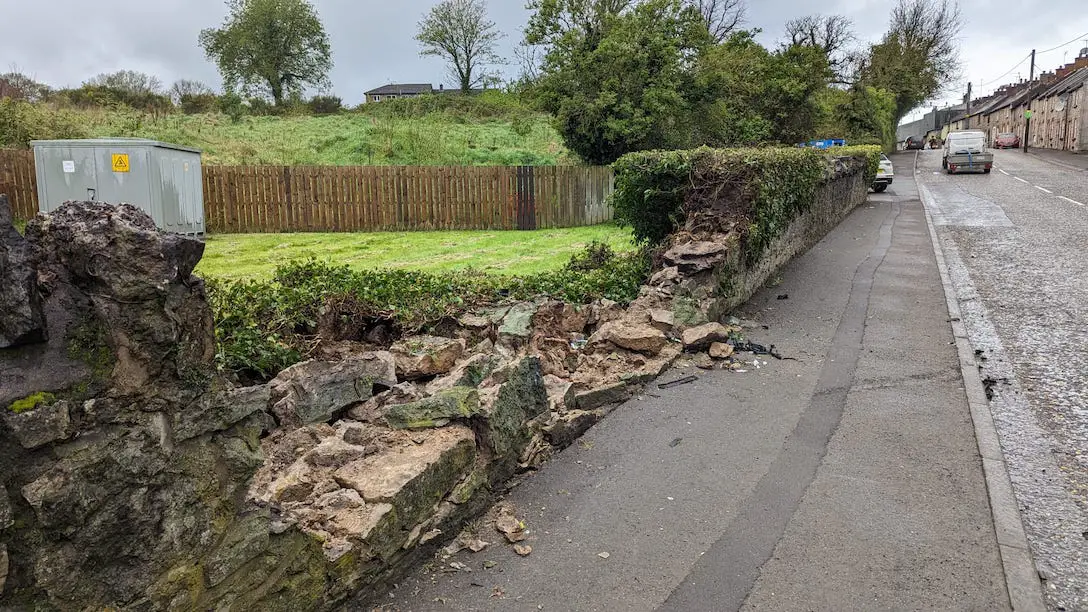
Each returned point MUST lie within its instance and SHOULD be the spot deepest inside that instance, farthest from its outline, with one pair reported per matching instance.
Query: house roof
(401, 89)
(1068, 84)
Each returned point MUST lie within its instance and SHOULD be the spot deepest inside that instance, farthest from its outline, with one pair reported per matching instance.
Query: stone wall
(134, 476)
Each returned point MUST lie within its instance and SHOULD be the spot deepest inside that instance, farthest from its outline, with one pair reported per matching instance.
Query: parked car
(965, 150)
(915, 142)
(884, 175)
(1007, 140)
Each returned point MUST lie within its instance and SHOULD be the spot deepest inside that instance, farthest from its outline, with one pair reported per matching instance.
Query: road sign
(120, 162)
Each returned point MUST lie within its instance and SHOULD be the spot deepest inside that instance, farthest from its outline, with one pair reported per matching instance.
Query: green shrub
(231, 105)
(21, 122)
(263, 327)
(192, 104)
(761, 189)
(325, 105)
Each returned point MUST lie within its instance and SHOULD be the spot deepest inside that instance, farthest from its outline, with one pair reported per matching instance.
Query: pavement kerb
(1021, 578)
(1051, 160)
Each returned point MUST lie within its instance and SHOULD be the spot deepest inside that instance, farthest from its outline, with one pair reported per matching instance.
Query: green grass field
(348, 138)
(234, 256)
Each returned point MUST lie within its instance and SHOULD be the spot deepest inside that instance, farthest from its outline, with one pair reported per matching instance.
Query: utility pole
(1027, 113)
(967, 121)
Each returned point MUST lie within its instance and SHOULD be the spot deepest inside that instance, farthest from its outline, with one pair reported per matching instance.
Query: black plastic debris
(676, 383)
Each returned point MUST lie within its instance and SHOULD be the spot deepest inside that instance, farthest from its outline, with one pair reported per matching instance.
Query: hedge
(763, 189)
(262, 327)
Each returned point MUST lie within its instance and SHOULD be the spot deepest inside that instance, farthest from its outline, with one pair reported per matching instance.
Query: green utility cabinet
(163, 180)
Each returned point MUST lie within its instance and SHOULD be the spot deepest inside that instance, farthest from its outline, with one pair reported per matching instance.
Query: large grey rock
(313, 391)
(701, 337)
(121, 307)
(426, 356)
(48, 422)
(666, 276)
(246, 539)
(219, 411)
(637, 337)
(436, 410)
(414, 477)
(522, 398)
(692, 257)
(602, 396)
(569, 427)
(517, 325)
(21, 318)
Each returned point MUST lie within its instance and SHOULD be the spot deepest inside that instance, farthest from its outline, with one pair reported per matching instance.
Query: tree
(460, 32)
(722, 17)
(186, 88)
(751, 95)
(832, 35)
(558, 23)
(919, 54)
(127, 81)
(618, 79)
(270, 47)
(18, 86)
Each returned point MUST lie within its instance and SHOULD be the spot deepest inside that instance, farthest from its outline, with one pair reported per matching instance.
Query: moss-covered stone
(467, 490)
(435, 411)
(686, 312)
(31, 402)
(521, 399)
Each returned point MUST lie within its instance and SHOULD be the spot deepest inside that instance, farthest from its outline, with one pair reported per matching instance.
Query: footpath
(1067, 159)
(846, 478)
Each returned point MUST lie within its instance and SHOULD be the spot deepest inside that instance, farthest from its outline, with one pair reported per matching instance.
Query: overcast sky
(63, 42)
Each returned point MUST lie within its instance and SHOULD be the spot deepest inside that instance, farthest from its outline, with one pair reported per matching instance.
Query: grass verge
(240, 256)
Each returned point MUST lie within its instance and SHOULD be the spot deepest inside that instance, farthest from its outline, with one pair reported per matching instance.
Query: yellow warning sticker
(120, 162)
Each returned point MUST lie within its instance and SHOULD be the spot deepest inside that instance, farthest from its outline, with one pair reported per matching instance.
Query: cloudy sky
(63, 42)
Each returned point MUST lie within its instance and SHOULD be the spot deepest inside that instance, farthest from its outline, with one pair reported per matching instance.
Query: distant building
(410, 90)
(397, 90)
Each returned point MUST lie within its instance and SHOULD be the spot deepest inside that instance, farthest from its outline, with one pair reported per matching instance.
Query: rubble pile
(136, 477)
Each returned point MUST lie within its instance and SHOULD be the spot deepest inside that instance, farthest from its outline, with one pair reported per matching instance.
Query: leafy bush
(485, 106)
(21, 122)
(263, 327)
(231, 105)
(259, 107)
(105, 96)
(763, 188)
(325, 105)
(192, 104)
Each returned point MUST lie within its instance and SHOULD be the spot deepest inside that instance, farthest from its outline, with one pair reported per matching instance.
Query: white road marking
(1043, 189)
(1019, 179)
(1003, 172)
(1070, 200)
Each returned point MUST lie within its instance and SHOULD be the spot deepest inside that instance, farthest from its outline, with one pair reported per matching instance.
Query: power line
(1007, 73)
(1078, 38)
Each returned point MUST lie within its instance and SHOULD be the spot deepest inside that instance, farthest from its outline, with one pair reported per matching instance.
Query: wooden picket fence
(241, 199)
(18, 182)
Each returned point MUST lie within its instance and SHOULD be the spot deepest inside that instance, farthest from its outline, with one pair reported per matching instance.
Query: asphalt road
(1015, 244)
(847, 479)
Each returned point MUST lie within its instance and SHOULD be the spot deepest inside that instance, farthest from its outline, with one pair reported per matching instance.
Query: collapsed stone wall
(134, 476)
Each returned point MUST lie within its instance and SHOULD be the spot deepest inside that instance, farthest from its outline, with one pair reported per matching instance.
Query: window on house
(391, 97)
(377, 98)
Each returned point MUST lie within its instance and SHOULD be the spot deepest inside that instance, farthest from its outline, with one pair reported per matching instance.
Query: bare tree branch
(722, 17)
(832, 35)
(460, 32)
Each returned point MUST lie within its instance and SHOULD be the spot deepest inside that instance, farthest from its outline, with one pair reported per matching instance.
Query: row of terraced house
(1058, 102)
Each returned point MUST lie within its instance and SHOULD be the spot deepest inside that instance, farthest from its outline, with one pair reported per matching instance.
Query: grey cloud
(63, 42)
